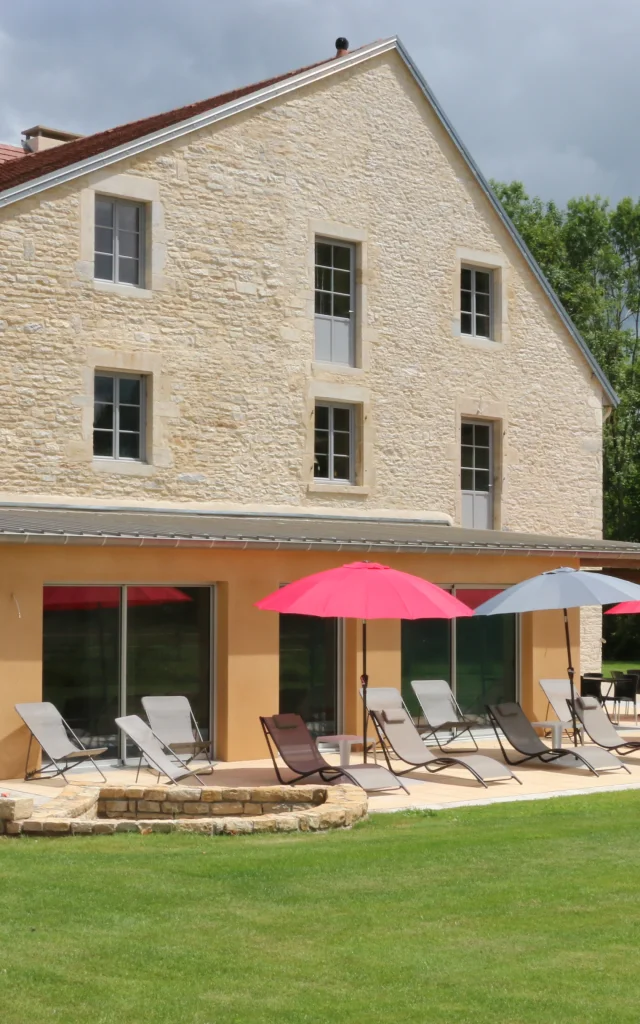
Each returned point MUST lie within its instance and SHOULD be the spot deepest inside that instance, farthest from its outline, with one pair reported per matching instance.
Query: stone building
(255, 337)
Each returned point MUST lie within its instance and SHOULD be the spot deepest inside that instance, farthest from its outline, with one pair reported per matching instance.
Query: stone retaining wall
(88, 810)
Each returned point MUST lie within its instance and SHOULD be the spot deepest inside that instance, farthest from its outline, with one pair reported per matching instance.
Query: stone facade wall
(225, 328)
(88, 810)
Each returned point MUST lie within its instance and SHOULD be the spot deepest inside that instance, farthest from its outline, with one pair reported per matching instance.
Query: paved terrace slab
(454, 787)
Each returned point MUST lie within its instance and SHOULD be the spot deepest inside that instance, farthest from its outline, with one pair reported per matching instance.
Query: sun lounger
(292, 740)
(173, 722)
(57, 740)
(600, 729)
(509, 720)
(397, 733)
(442, 713)
(558, 694)
(156, 753)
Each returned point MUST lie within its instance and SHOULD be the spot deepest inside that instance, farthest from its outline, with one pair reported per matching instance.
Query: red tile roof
(33, 165)
(8, 152)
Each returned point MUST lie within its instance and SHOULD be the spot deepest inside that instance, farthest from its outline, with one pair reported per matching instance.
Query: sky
(545, 92)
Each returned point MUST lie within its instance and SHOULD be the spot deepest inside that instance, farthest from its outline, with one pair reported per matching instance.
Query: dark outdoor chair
(57, 740)
(174, 723)
(290, 737)
(600, 729)
(397, 733)
(591, 685)
(442, 713)
(156, 753)
(510, 720)
(625, 691)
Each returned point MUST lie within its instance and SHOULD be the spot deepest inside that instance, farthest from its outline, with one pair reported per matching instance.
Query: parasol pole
(571, 672)
(364, 679)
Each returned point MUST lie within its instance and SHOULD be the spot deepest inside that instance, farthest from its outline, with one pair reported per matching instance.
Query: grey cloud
(544, 92)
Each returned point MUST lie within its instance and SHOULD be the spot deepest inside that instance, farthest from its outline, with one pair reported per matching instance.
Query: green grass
(512, 913)
(618, 666)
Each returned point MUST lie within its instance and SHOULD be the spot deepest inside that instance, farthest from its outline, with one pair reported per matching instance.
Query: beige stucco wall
(225, 327)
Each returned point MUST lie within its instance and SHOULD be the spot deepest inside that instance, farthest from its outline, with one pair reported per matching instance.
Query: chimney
(38, 138)
(342, 46)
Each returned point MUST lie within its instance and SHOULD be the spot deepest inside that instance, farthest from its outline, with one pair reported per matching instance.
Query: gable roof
(39, 171)
(9, 152)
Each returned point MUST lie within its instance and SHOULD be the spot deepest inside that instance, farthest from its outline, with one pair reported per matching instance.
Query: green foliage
(516, 913)
(590, 253)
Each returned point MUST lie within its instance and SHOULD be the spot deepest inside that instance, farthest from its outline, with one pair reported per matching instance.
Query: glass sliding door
(426, 654)
(104, 648)
(81, 660)
(486, 652)
(309, 671)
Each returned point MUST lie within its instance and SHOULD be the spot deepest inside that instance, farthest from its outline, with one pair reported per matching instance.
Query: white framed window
(119, 401)
(477, 469)
(476, 302)
(335, 311)
(119, 241)
(334, 442)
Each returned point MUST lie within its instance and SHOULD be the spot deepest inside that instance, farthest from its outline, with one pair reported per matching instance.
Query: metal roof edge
(509, 225)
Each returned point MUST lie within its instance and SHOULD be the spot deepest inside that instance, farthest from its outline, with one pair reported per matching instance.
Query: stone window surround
(159, 409)
(338, 232)
(498, 264)
(347, 394)
(496, 414)
(136, 189)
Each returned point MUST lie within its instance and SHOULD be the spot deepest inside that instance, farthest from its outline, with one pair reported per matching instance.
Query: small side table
(557, 728)
(344, 742)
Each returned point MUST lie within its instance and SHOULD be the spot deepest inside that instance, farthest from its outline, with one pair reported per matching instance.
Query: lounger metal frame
(70, 760)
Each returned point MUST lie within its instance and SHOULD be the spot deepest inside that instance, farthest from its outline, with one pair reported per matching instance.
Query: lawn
(521, 913)
(618, 666)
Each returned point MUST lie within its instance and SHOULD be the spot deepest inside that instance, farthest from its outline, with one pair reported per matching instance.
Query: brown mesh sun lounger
(600, 729)
(510, 720)
(173, 722)
(397, 733)
(57, 739)
(155, 753)
(290, 737)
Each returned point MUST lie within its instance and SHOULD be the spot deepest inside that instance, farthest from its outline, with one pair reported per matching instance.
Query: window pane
(467, 433)
(128, 270)
(341, 304)
(103, 388)
(342, 257)
(485, 660)
(342, 281)
(103, 443)
(129, 446)
(128, 244)
(482, 480)
(341, 443)
(482, 458)
(482, 327)
(465, 278)
(465, 323)
(322, 416)
(341, 419)
(104, 213)
(323, 254)
(323, 278)
(426, 654)
(482, 434)
(341, 468)
(103, 267)
(467, 456)
(130, 417)
(128, 217)
(482, 304)
(129, 391)
(104, 240)
(483, 281)
(103, 416)
(323, 303)
(465, 302)
(321, 467)
(467, 479)
(322, 442)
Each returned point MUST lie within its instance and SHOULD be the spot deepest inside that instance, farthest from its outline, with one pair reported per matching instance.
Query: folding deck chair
(57, 740)
(510, 720)
(174, 723)
(600, 729)
(442, 713)
(397, 733)
(292, 740)
(154, 752)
